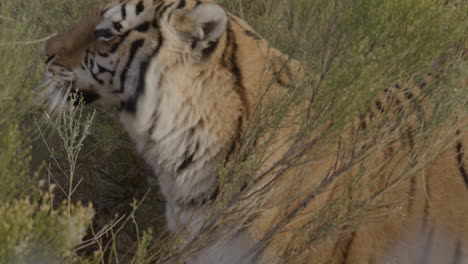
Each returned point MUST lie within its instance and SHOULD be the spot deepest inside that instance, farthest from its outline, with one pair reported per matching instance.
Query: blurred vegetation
(98, 205)
(56, 174)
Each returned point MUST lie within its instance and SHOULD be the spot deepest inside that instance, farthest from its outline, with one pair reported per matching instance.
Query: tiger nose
(74, 39)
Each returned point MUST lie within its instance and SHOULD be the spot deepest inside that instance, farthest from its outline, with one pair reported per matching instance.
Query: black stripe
(139, 8)
(240, 89)
(194, 43)
(461, 166)
(129, 105)
(86, 59)
(49, 59)
(103, 54)
(426, 204)
(202, 200)
(189, 157)
(348, 248)
(215, 194)
(158, 7)
(234, 67)
(161, 12)
(168, 17)
(236, 139)
(212, 45)
(90, 65)
(141, 79)
(91, 62)
(102, 69)
(243, 187)
(143, 27)
(229, 61)
(155, 114)
(117, 26)
(187, 161)
(88, 97)
(154, 120)
(411, 193)
(281, 82)
(123, 12)
(181, 4)
(155, 22)
(137, 44)
(252, 34)
(117, 45)
(95, 77)
(457, 255)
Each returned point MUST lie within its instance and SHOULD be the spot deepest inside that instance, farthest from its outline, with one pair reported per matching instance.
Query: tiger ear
(206, 22)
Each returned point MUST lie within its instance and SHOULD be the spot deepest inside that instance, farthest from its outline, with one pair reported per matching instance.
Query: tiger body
(187, 77)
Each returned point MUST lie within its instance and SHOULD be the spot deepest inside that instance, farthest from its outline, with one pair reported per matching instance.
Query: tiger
(188, 78)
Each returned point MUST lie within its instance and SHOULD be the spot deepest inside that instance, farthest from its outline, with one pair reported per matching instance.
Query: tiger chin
(187, 77)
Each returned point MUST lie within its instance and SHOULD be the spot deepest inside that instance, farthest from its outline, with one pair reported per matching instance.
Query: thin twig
(7, 18)
(30, 42)
(104, 230)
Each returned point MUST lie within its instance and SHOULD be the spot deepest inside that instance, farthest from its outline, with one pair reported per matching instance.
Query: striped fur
(187, 77)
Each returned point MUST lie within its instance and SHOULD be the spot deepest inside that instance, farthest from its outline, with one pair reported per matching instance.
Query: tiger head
(105, 58)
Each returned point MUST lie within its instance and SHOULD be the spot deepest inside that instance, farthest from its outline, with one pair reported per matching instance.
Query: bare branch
(7, 18)
(29, 42)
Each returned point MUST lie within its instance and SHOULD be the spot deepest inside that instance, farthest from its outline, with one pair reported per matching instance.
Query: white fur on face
(56, 87)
